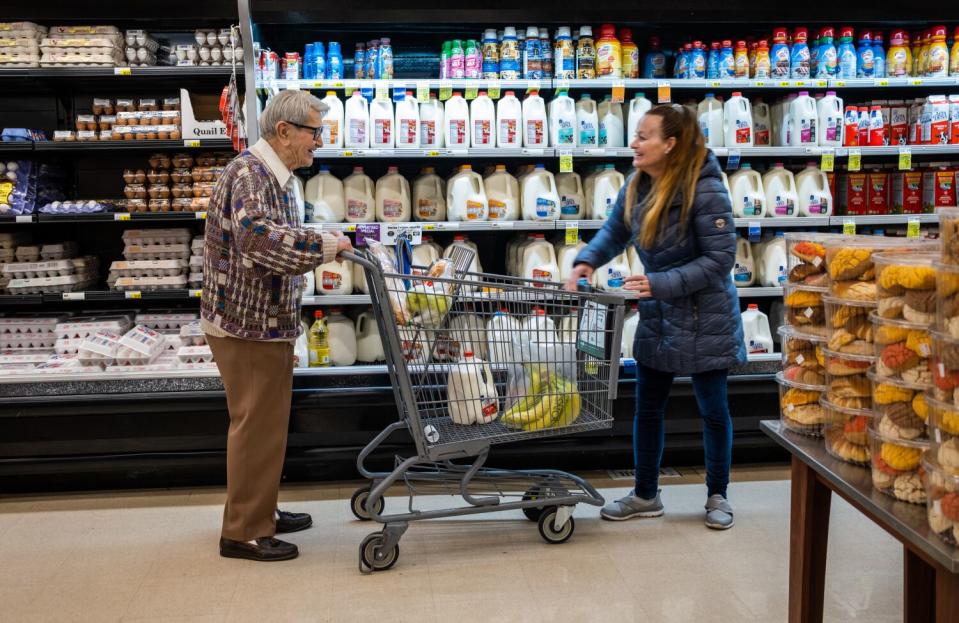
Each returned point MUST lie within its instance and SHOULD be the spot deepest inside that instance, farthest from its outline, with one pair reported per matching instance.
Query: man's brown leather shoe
(266, 549)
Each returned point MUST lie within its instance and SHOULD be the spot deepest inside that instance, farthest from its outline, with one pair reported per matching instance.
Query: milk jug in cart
(499, 335)
(471, 392)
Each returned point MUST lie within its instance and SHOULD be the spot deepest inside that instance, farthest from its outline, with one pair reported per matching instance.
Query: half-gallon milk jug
(711, 121)
(301, 349)
(539, 260)
(460, 240)
(358, 191)
(342, 338)
(324, 198)
(429, 196)
(357, 122)
(830, 111)
(393, 204)
(369, 345)
(432, 126)
(744, 271)
(636, 266)
(483, 117)
(359, 280)
(738, 122)
(587, 122)
(746, 193)
(334, 278)
(756, 331)
(333, 121)
(535, 123)
(381, 124)
(509, 122)
(471, 392)
(466, 197)
(565, 255)
(762, 123)
(566, 330)
(804, 117)
(772, 262)
(638, 107)
(606, 187)
(612, 276)
(457, 121)
(540, 197)
(630, 324)
(572, 202)
(500, 331)
(539, 328)
(562, 121)
(502, 193)
(407, 122)
(612, 127)
(781, 195)
(815, 198)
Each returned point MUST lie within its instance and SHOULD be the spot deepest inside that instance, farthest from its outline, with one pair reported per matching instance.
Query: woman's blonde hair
(683, 165)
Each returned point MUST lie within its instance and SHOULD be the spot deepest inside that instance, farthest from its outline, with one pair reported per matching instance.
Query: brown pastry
(861, 327)
(800, 272)
(803, 375)
(840, 338)
(849, 403)
(851, 387)
(808, 414)
(857, 347)
(914, 315)
(950, 306)
(800, 316)
(805, 358)
(903, 416)
(922, 300)
(948, 354)
(850, 263)
(898, 357)
(838, 366)
(820, 280)
(845, 313)
(891, 307)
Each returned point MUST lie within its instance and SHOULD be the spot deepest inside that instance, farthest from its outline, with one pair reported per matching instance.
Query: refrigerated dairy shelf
(155, 145)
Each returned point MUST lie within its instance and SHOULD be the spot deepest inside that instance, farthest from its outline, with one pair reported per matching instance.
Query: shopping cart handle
(356, 258)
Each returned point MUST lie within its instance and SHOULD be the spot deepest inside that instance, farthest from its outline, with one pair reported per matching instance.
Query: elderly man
(255, 256)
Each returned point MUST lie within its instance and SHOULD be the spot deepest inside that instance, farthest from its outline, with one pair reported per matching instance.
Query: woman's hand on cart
(343, 243)
(580, 271)
(640, 285)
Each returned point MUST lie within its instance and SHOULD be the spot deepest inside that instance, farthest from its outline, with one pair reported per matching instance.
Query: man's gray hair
(291, 105)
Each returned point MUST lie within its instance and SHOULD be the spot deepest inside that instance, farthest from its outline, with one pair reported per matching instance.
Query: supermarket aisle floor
(152, 557)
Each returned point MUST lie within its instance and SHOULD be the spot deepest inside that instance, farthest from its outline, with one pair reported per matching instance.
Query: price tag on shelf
(572, 232)
(501, 224)
(121, 216)
(346, 153)
(732, 162)
(799, 83)
(195, 294)
(760, 83)
(594, 152)
(755, 231)
(316, 84)
(855, 160)
(533, 151)
(912, 228)
(619, 92)
(340, 84)
(24, 218)
(472, 93)
(348, 91)
(382, 92)
(429, 226)
(191, 143)
(905, 158)
(881, 82)
(494, 90)
(822, 84)
(423, 92)
(664, 92)
(200, 216)
(849, 226)
(715, 83)
(840, 83)
(785, 84)
(74, 296)
(565, 161)
(561, 85)
(133, 294)
(916, 82)
(367, 231)
(828, 161)
(122, 71)
(391, 232)
(446, 91)
(432, 153)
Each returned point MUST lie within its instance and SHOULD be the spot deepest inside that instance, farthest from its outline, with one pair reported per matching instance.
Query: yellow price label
(905, 158)
(912, 228)
(195, 294)
(565, 162)
(121, 217)
(799, 83)
(849, 227)
(916, 82)
(316, 84)
(760, 83)
(423, 92)
(882, 82)
(664, 93)
(472, 93)
(201, 216)
(433, 153)
(339, 84)
(348, 91)
(822, 84)
(855, 160)
(122, 71)
(840, 83)
(346, 153)
(136, 294)
(191, 143)
(493, 91)
(785, 83)
(619, 92)
(446, 91)
(828, 161)
(716, 84)
(572, 232)
(429, 226)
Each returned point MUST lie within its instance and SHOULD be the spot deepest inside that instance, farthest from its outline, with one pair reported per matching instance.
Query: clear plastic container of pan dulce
(944, 434)
(849, 329)
(944, 366)
(901, 409)
(947, 299)
(906, 286)
(845, 433)
(799, 406)
(851, 265)
(804, 310)
(942, 499)
(896, 466)
(806, 258)
(847, 384)
(949, 234)
(802, 357)
(902, 350)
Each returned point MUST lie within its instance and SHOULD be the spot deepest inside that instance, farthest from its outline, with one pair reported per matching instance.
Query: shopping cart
(463, 383)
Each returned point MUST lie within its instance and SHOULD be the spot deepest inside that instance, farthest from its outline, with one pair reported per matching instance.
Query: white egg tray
(80, 59)
(67, 346)
(52, 268)
(23, 340)
(99, 349)
(179, 235)
(137, 252)
(139, 346)
(192, 335)
(165, 321)
(172, 342)
(195, 354)
(7, 256)
(196, 279)
(142, 268)
(33, 356)
(19, 47)
(120, 368)
(197, 245)
(60, 364)
(45, 285)
(83, 30)
(61, 251)
(19, 60)
(25, 325)
(196, 263)
(202, 366)
(149, 283)
(83, 327)
(10, 369)
(28, 253)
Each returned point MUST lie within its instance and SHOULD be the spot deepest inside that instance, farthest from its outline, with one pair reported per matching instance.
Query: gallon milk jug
(744, 271)
(460, 240)
(393, 203)
(606, 187)
(830, 112)
(432, 126)
(535, 123)
(738, 122)
(334, 278)
(357, 122)
(429, 196)
(612, 277)
(483, 117)
(359, 280)
(301, 349)
(457, 121)
(804, 117)
(333, 121)
(466, 197)
(762, 123)
(566, 331)
(630, 324)
(369, 346)
(358, 193)
(815, 198)
(324, 198)
(539, 260)
(342, 337)
(572, 202)
(612, 128)
(565, 256)
(756, 332)
(773, 263)
(638, 107)
(786, 122)
(468, 334)
(309, 284)
(781, 195)
(539, 329)
(424, 255)
(562, 121)
(407, 122)
(540, 197)
(746, 193)
(381, 124)
(711, 121)
(471, 392)
(502, 193)
(500, 331)
(636, 266)
(587, 122)
(509, 122)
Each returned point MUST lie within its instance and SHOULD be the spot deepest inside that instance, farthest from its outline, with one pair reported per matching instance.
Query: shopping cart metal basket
(475, 360)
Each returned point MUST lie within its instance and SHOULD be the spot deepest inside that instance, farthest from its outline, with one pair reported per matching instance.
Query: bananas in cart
(551, 402)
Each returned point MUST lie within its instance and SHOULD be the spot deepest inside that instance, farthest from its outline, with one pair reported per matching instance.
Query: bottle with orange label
(741, 60)
(763, 62)
(937, 63)
(923, 63)
(609, 53)
(630, 54)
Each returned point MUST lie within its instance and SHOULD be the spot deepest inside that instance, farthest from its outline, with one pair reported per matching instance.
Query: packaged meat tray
(137, 252)
(164, 321)
(194, 354)
(949, 234)
(896, 465)
(799, 406)
(162, 268)
(947, 299)
(81, 327)
(99, 349)
(60, 251)
(192, 335)
(804, 310)
(942, 504)
(907, 286)
(845, 433)
(944, 367)
(901, 409)
(944, 434)
(178, 235)
(902, 350)
(849, 328)
(847, 385)
(802, 357)
(806, 258)
(139, 346)
(45, 285)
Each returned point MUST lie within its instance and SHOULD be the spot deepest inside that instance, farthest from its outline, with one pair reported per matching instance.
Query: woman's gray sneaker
(719, 514)
(632, 506)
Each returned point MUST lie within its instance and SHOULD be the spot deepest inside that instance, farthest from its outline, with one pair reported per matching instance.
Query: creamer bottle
(483, 117)
(609, 53)
(357, 122)
(562, 121)
(333, 121)
(779, 55)
(564, 55)
(509, 122)
(781, 195)
(762, 123)
(938, 64)
(502, 193)
(804, 117)
(407, 122)
(744, 270)
(741, 59)
(585, 55)
(457, 121)
(738, 121)
(571, 197)
(509, 68)
(846, 61)
(747, 195)
(799, 56)
(587, 119)
(638, 107)
(432, 126)
(711, 120)
(763, 62)
(899, 56)
(815, 198)
(954, 54)
(830, 113)
(393, 204)
(490, 55)
(429, 196)
(466, 197)
(612, 128)
(630, 54)
(540, 197)
(654, 65)
(381, 124)
(323, 198)
(369, 345)
(535, 122)
(358, 191)
(606, 187)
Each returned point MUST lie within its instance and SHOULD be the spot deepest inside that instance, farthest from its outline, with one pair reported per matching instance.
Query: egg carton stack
(141, 49)
(27, 341)
(169, 324)
(50, 268)
(195, 352)
(8, 252)
(154, 259)
(195, 178)
(126, 119)
(212, 49)
(196, 263)
(71, 332)
(82, 46)
(20, 44)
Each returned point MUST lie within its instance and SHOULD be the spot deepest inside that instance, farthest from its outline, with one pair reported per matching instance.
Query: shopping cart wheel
(373, 559)
(533, 512)
(358, 504)
(549, 532)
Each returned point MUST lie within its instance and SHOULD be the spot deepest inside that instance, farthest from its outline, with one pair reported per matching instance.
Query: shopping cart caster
(372, 555)
(533, 513)
(547, 524)
(358, 504)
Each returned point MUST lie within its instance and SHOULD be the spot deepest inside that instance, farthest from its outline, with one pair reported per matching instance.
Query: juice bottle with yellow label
(899, 57)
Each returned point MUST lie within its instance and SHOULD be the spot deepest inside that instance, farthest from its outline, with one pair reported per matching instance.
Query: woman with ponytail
(675, 210)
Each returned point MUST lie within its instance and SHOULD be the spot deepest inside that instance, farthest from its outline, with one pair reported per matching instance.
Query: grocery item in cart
(947, 299)
(845, 433)
(799, 406)
(942, 507)
(896, 466)
(901, 409)
(850, 331)
(471, 392)
(906, 286)
(803, 360)
(805, 310)
(902, 350)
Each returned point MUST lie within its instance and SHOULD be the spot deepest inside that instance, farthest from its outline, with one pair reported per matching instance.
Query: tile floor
(151, 556)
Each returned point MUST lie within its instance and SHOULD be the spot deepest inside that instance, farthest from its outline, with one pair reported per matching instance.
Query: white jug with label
(539, 260)
(509, 122)
(772, 263)
(471, 392)
(589, 185)
(572, 199)
(358, 191)
(466, 196)
(606, 188)
(746, 193)
(539, 329)
(324, 199)
(468, 334)
(369, 345)
(407, 122)
(710, 114)
(359, 280)
(429, 196)
(781, 195)
(333, 120)
(804, 117)
(540, 197)
(301, 349)
(382, 135)
(630, 324)
(786, 122)
(587, 122)
(432, 124)
(535, 121)
(393, 203)
(566, 329)
(756, 333)
(500, 331)
(424, 255)
(744, 270)
(483, 118)
(309, 284)
(461, 240)
(342, 338)
(638, 107)
(502, 193)
(762, 124)
(636, 266)
(357, 122)
(612, 276)
(565, 256)
(815, 197)
(738, 122)
(562, 121)
(612, 127)
(334, 278)
(831, 126)
(457, 122)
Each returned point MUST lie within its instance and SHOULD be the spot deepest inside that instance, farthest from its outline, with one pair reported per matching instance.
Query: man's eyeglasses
(317, 132)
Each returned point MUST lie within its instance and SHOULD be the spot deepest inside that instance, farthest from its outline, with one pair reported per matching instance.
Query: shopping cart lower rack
(476, 360)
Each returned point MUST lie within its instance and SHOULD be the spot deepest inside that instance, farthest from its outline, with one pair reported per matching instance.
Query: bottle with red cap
(742, 61)
(697, 61)
(846, 60)
(878, 55)
(899, 56)
(799, 55)
(865, 56)
(763, 63)
(654, 66)
(727, 61)
(938, 63)
(609, 53)
(828, 57)
(851, 127)
(923, 63)
(779, 54)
